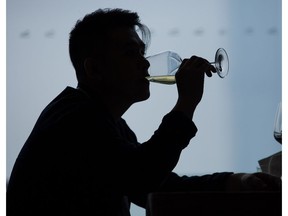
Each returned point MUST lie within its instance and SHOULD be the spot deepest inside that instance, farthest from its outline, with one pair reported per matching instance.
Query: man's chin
(143, 97)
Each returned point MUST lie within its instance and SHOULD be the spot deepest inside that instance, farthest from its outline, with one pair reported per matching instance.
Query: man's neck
(115, 106)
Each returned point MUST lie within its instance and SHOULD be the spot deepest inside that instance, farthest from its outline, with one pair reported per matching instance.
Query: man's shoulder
(72, 106)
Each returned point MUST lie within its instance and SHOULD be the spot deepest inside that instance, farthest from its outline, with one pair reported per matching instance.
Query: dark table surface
(214, 203)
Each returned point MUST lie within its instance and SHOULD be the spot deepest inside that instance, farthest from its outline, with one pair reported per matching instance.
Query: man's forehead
(125, 37)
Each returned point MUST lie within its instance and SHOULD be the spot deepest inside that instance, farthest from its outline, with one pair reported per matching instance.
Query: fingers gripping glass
(164, 65)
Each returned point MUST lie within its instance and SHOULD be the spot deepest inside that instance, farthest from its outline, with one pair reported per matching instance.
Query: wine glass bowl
(164, 65)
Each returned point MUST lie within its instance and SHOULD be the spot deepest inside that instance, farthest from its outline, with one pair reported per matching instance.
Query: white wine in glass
(164, 65)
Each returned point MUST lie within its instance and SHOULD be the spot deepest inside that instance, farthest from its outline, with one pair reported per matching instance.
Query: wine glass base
(221, 62)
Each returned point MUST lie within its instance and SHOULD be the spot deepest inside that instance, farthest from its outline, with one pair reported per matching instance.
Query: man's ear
(92, 69)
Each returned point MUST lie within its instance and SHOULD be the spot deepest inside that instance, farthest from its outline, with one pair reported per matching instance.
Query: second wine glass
(277, 132)
(164, 65)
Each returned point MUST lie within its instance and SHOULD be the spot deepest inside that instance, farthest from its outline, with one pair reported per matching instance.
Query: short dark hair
(94, 27)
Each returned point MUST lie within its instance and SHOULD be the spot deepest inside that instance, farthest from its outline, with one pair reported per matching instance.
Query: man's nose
(146, 64)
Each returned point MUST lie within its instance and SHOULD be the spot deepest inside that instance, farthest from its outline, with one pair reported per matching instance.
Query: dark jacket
(79, 161)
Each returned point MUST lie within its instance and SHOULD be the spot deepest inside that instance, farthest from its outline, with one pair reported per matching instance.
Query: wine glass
(164, 65)
(278, 124)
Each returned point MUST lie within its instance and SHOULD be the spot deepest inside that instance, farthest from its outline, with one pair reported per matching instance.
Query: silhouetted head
(90, 36)
(108, 54)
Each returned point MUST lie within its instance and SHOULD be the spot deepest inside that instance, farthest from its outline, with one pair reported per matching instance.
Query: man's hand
(190, 83)
(253, 182)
